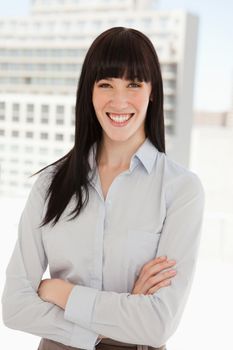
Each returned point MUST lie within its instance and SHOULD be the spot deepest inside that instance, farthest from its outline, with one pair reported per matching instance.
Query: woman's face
(120, 106)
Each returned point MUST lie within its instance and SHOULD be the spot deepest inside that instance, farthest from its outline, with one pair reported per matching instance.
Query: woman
(108, 217)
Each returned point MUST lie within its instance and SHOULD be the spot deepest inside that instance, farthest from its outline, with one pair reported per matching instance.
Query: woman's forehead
(127, 75)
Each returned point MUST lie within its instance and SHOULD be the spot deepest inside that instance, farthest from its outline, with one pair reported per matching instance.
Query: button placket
(98, 251)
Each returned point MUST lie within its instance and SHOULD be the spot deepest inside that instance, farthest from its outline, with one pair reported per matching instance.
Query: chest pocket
(141, 248)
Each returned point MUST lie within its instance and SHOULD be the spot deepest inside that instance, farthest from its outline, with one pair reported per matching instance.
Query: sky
(213, 85)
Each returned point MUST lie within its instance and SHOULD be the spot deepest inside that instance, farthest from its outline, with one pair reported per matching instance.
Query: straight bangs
(122, 57)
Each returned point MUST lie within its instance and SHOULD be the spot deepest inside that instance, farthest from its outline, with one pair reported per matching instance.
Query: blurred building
(204, 118)
(40, 61)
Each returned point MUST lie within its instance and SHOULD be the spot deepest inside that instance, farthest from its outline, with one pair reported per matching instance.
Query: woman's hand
(152, 277)
(55, 291)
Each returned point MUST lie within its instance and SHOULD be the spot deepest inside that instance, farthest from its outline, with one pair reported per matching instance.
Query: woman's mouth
(119, 119)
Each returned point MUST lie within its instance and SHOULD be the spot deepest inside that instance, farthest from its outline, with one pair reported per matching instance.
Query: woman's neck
(117, 154)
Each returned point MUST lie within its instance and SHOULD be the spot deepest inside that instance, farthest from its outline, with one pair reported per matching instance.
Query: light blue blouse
(154, 208)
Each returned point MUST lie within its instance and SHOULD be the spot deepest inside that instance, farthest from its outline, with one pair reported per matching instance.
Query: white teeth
(119, 118)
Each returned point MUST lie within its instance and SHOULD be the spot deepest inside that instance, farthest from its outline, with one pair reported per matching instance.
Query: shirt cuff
(98, 341)
(80, 305)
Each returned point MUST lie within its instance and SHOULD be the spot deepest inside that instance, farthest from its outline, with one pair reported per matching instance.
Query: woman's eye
(104, 85)
(134, 85)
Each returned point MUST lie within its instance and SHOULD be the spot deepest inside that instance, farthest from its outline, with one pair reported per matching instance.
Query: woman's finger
(153, 274)
(157, 279)
(156, 260)
(154, 269)
(151, 282)
(160, 285)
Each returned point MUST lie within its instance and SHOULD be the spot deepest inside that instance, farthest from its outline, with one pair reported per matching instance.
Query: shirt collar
(146, 154)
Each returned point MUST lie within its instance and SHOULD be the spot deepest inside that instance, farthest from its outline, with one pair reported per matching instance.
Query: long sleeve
(150, 319)
(22, 307)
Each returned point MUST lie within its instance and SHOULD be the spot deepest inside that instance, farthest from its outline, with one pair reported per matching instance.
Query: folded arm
(22, 307)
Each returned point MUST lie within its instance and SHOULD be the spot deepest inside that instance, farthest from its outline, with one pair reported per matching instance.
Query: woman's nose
(119, 99)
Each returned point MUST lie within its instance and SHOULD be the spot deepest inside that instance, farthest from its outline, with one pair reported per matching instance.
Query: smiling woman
(120, 102)
(111, 218)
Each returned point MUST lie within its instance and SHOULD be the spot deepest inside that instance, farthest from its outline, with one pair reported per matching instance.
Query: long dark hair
(118, 53)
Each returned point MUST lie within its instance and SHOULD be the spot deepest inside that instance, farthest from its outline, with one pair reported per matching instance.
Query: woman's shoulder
(43, 180)
(178, 177)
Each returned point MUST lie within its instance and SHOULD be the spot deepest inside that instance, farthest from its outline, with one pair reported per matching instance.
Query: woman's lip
(120, 123)
(116, 114)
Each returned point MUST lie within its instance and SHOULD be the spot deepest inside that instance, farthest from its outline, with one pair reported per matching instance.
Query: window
(2, 110)
(44, 113)
(59, 137)
(29, 134)
(169, 99)
(30, 108)
(60, 109)
(29, 149)
(30, 111)
(40, 66)
(28, 80)
(44, 109)
(15, 113)
(44, 136)
(43, 150)
(73, 115)
(59, 121)
(60, 114)
(15, 118)
(29, 119)
(170, 129)
(15, 107)
(15, 133)
(44, 120)
(2, 132)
